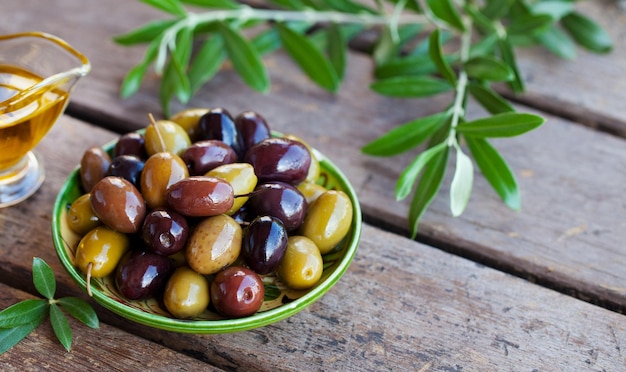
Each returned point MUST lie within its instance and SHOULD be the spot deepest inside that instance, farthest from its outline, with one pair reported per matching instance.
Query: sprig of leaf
(17, 321)
(412, 59)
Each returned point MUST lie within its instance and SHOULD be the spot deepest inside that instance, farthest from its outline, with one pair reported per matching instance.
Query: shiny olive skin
(237, 292)
(314, 169)
(160, 171)
(241, 177)
(302, 265)
(311, 191)
(142, 274)
(165, 232)
(128, 167)
(189, 120)
(80, 217)
(118, 204)
(200, 196)
(328, 220)
(186, 293)
(252, 129)
(103, 248)
(166, 136)
(203, 156)
(94, 165)
(132, 144)
(218, 124)
(279, 159)
(214, 244)
(280, 200)
(264, 243)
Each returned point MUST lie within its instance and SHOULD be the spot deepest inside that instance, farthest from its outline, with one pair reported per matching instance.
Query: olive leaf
(145, 33)
(61, 326)
(81, 310)
(493, 102)
(461, 186)
(43, 278)
(436, 54)
(23, 312)
(170, 6)
(218, 4)
(411, 86)
(206, 62)
(587, 33)
(445, 10)
(506, 124)
(488, 68)
(409, 175)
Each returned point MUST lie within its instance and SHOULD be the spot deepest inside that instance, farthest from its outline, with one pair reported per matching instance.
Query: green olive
(241, 177)
(186, 293)
(314, 169)
(328, 220)
(310, 191)
(103, 248)
(214, 244)
(166, 136)
(81, 217)
(189, 120)
(160, 171)
(302, 264)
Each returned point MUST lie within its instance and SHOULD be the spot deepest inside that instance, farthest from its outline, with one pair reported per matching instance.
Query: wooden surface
(448, 302)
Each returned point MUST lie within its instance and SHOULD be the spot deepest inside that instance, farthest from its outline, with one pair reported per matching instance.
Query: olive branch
(188, 49)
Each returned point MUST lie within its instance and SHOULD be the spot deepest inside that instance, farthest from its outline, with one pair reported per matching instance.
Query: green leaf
(555, 9)
(168, 88)
(61, 326)
(180, 59)
(436, 54)
(245, 59)
(409, 175)
(485, 46)
(423, 47)
(558, 42)
(81, 310)
(43, 278)
(410, 4)
(23, 312)
(461, 186)
(217, 4)
(495, 9)
(289, 4)
(507, 124)
(385, 48)
(587, 33)
(337, 50)
(483, 23)
(9, 337)
(508, 56)
(132, 81)
(445, 10)
(347, 6)
(410, 86)
(529, 24)
(310, 59)
(206, 62)
(412, 65)
(406, 136)
(488, 68)
(145, 33)
(170, 6)
(496, 171)
(489, 99)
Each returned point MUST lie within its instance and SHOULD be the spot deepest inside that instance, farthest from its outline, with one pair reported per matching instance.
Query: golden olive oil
(25, 118)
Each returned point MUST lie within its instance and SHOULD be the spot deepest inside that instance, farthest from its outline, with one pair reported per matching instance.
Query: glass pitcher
(37, 74)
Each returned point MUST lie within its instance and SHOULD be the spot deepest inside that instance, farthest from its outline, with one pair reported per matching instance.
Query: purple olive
(252, 129)
(279, 159)
(217, 124)
(280, 200)
(128, 167)
(264, 244)
(165, 232)
(203, 156)
(141, 274)
(131, 143)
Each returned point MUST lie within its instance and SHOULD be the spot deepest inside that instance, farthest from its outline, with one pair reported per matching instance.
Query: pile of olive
(197, 209)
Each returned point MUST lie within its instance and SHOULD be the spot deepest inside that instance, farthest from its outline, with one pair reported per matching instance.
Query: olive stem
(156, 130)
(89, 268)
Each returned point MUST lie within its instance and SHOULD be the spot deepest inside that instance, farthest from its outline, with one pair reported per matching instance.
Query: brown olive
(118, 204)
(81, 217)
(214, 244)
(237, 292)
(160, 171)
(93, 167)
(200, 196)
(241, 177)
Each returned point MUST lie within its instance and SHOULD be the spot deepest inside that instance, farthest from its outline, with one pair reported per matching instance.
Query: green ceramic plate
(279, 302)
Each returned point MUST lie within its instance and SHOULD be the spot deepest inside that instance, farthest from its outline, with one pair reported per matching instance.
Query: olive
(160, 171)
(264, 243)
(81, 217)
(200, 196)
(279, 159)
(328, 220)
(243, 215)
(302, 265)
(252, 129)
(118, 204)
(214, 244)
(241, 177)
(189, 120)
(128, 167)
(280, 200)
(141, 274)
(186, 293)
(311, 191)
(165, 232)
(237, 292)
(203, 156)
(94, 165)
(132, 144)
(217, 124)
(166, 136)
(314, 169)
(103, 248)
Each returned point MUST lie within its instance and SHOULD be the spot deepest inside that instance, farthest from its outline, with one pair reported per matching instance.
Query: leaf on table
(61, 326)
(587, 33)
(24, 312)
(558, 42)
(409, 175)
(445, 10)
(461, 186)
(488, 68)
(406, 136)
(217, 4)
(206, 62)
(488, 98)
(411, 86)
(145, 33)
(9, 337)
(245, 58)
(337, 50)
(310, 59)
(43, 278)
(496, 171)
(436, 54)
(81, 310)
(507, 124)
(170, 6)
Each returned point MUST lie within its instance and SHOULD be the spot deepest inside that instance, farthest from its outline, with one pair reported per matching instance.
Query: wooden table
(494, 290)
